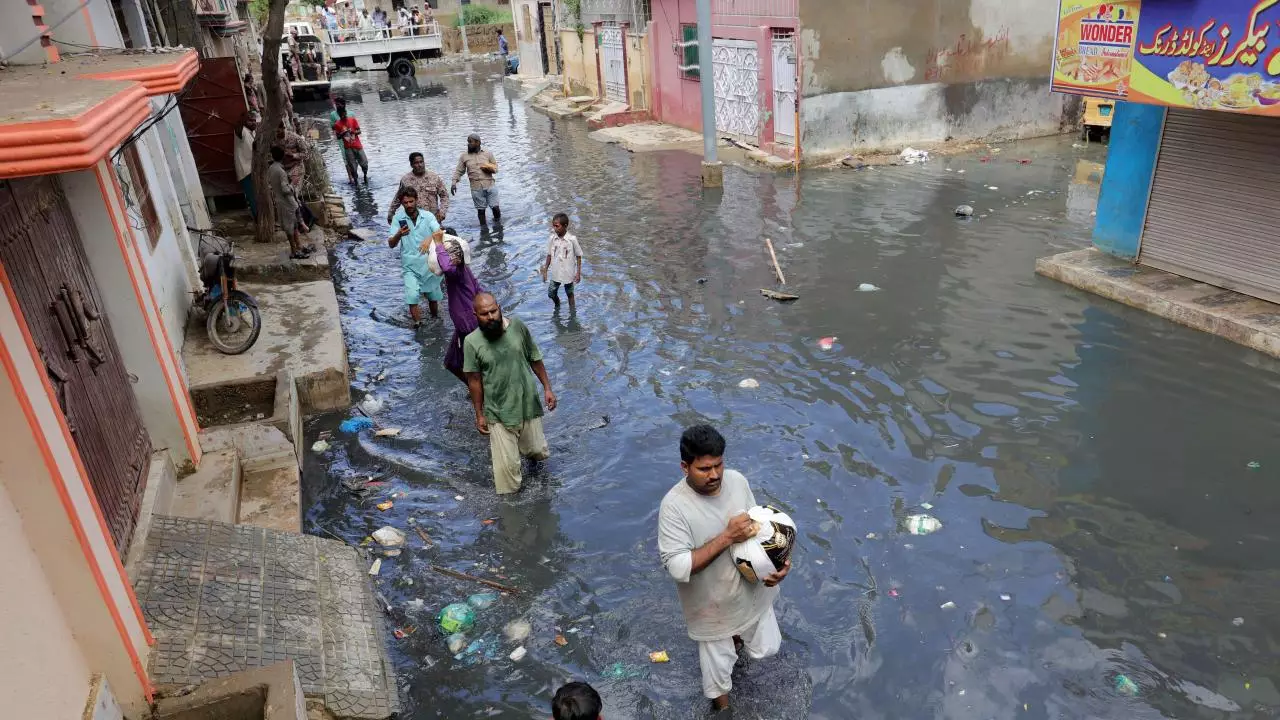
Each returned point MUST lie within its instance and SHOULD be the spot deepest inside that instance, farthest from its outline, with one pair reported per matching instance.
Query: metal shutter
(1214, 212)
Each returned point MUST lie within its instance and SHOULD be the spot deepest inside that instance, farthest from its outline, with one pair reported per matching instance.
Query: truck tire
(402, 67)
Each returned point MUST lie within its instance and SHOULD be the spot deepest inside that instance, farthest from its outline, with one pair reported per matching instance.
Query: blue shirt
(502, 44)
(411, 258)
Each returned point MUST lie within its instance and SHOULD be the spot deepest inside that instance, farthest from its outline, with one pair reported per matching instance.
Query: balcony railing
(214, 10)
(358, 35)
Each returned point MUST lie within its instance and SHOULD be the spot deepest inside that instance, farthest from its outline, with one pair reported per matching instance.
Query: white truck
(392, 49)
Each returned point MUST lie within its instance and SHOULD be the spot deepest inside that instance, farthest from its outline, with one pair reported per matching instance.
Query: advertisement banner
(1093, 52)
(1209, 54)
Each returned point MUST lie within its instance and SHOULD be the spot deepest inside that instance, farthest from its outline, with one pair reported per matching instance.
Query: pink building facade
(755, 72)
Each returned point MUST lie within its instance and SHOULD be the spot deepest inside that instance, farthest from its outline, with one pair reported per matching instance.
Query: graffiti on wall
(967, 58)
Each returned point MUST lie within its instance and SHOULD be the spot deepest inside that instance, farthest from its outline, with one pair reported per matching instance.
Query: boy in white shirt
(564, 261)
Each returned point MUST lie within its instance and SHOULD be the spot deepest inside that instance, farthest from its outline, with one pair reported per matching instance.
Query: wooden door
(211, 108)
(41, 253)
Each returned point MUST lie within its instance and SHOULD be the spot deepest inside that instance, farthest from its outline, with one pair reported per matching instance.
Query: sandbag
(770, 549)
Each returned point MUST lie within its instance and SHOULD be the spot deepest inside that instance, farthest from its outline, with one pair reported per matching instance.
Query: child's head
(577, 700)
(560, 223)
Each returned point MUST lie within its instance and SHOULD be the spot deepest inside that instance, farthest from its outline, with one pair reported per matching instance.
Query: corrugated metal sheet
(1214, 212)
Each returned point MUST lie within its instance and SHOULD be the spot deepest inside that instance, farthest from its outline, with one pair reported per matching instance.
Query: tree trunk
(272, 37)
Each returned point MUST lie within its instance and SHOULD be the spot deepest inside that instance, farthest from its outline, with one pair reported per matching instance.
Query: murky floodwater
(1089, 462)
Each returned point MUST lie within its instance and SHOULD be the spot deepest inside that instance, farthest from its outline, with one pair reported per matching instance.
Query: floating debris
(749, 384)
(827, 343)
(964, 211)
(385, 506)
(482, 601)
(1254, 465)
(518, 654)
(911, 156)
(388, 432)
(319, 446)
(659, 656)
(456, 618)
(457, 643)
(354, 425)
(948, 605)
(372, 405)
(1238, 621)
(389, 536)
(779, 296)
(922, 524)
(561, 641)
(1126, 687)
(867, 287)
(376, 567)
(517, 630)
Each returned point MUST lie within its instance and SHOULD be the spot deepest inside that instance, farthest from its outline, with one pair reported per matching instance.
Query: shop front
(1192, 184)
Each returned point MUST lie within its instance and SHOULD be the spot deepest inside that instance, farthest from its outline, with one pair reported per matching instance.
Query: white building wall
(529, 37)
(43, 673)
(170, 265)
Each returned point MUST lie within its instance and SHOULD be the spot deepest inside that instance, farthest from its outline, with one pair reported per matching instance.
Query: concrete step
(226, 598)
(271, 481)
(212, 492)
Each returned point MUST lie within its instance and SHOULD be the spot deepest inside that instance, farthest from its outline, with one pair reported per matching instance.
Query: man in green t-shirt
(496, 358)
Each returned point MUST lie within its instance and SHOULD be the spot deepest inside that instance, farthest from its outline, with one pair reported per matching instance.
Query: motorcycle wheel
(234, 326)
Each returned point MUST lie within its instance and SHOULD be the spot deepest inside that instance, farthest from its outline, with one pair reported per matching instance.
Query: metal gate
(736, 68)
(547, 28)
(211, 107)
(784, 86)
(1214, 205)
(613, 61)
(42, 255)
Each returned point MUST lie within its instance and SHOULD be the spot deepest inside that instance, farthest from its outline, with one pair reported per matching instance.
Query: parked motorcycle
(232, 318)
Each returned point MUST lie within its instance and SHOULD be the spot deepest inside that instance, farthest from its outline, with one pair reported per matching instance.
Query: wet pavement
(1105, 479)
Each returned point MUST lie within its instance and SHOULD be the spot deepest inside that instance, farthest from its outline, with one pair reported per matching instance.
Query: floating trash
(1125, 686)
(622, 671)
(561, 641)
(827, 343)
(354, 425)
(659, 656)
(482, 601)
(517, 630)
(372, 405)
(867, 287)
(518, 654)
(964, 211)
(456, 618)
(1238, 621)
(922, 524)
(389, 536)
(749, 384)
(376, 567)
(457, 643)
(319, 446)
(1254, 465)
(388, 432)
(385, 506)
(948, 605)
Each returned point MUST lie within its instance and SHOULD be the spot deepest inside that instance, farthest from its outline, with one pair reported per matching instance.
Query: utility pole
(712, 169)
(462, 25)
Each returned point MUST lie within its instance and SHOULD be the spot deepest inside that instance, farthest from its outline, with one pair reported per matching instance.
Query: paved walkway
(223, 598)
(1231, 315)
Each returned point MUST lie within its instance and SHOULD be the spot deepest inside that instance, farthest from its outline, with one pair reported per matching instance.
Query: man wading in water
(704, 514)
(497, 358)
(479, 166)
(414, 229)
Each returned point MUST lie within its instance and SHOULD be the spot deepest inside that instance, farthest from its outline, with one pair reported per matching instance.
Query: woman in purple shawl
(451, 259)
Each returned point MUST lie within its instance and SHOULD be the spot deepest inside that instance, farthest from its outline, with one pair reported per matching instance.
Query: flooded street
(1090, 464)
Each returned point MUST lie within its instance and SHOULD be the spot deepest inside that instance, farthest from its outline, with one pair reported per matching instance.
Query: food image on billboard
(1210, 55)
(1093, 52)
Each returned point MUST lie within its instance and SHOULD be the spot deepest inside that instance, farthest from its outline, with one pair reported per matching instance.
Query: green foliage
(482, 15)
(575, 12)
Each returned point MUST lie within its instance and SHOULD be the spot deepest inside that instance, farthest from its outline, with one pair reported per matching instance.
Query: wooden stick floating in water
(473, 578)
(779, 296)
(423, 534)
(781, 278)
